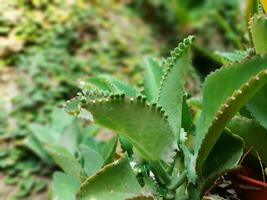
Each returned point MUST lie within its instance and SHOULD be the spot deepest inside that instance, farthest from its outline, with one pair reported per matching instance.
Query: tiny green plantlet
(175, 155)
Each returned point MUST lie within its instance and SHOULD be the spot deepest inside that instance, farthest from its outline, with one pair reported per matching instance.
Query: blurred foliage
(52, 44)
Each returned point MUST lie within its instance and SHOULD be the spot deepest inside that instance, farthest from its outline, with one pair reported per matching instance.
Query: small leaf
(60, 120)
(232, 57)
(64, 186)
(65, 160)
(171, 91)
(115, 181)
(120, 86)
(108, 150)
(153, 74)
(93, 161)
(32, 143)
(113, 85)
(258, 27)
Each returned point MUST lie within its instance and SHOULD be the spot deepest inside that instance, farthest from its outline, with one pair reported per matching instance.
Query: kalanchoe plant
(171, 152)
(182, 155)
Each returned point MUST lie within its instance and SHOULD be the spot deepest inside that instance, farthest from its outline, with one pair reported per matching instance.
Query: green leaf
(60, 120)
(109, 149)
(120, 86)
(225, 92)
(253, 134)
(171, 91)
(126, 146)
(153, 74)
(142, 124)
(231, 57)
(225, 156)
(93, 161)
(115, 181)
(65, 160)
(258, 27)
(111, 84)
(64, 186)
(258, 106)
(44, 134)
(102, 84)
(32, 143)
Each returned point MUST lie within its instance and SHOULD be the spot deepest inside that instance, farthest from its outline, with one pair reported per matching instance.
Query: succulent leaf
(114, 181)
(171, 91)
(222, 101)
(106, 83)
(236, 56)
(65, 160)
(93, 161)
(153, 74)
(64, 186)
(258, 27)
(138, 122)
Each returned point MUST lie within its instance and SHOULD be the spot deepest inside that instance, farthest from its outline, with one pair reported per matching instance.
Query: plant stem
(178, 182)
(160, 172)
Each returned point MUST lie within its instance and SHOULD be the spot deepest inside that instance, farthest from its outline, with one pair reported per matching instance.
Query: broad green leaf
(153, 74)
(142, 124)
(64, 186)
(115, 181)
(32, 143)
(108, 150)
(93, 161)
(258, 106)
(258, 27)
(225, 92)
(253, 134)
(225, 156)
(65, 160)
(171, 91)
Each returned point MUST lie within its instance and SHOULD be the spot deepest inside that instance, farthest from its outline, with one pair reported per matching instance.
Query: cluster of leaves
(183, 153)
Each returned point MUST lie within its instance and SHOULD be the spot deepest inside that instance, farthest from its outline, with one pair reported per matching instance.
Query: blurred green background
(49, 47)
